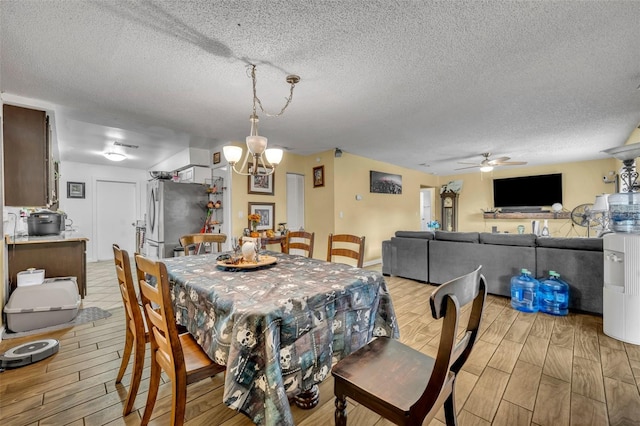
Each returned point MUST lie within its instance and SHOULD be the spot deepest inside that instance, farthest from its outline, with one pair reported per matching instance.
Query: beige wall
(376, 216)
(581, 182)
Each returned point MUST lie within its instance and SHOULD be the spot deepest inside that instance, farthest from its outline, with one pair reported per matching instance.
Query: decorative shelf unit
(216, 190)
(541, 215)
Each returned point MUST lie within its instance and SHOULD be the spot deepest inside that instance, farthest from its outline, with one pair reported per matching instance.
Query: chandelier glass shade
(262, 160)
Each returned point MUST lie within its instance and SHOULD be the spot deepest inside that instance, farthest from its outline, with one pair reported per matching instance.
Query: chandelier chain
(256, 99)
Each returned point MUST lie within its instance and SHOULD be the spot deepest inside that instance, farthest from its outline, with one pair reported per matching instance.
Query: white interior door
(115, 214)
(426, 194)
(295, 201)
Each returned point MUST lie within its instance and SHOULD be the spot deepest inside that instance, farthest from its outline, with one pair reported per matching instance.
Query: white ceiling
(405, 82)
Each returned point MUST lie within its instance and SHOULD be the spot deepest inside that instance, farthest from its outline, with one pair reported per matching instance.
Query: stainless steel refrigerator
(173, 210)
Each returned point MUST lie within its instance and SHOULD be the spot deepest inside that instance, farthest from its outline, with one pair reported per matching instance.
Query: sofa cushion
(461, 237)
(410, 257)
(415, 234)
(523, 240)
(591, 244)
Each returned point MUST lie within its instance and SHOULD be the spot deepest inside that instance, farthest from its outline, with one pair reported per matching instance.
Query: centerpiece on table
(254, 219)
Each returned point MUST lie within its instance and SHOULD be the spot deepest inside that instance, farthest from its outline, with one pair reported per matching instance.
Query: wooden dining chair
(179, 356)
(198, 239)
(137, 335)
(300, 240)
(344, 241)
(406, 386)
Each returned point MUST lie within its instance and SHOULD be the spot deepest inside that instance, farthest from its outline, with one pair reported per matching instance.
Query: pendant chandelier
(264, 160)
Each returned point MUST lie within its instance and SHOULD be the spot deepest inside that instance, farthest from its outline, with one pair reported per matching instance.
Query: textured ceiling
(405, 82)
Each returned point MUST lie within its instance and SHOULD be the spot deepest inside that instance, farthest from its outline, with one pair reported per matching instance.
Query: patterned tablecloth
(279, 328)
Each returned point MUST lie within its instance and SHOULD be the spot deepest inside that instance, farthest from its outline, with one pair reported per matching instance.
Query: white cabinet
(195, 174)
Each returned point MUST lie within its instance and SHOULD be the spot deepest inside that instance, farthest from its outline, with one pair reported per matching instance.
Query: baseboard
(372, 262)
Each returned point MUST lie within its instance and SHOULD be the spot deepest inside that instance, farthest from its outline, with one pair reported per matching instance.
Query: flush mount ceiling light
(268, 159)
(114, 156)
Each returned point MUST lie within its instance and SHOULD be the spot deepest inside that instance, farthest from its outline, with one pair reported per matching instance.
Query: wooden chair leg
(179, 401)
(154, 383)
(128, 346)
(341, 411)
(450, 409)
(136, 376)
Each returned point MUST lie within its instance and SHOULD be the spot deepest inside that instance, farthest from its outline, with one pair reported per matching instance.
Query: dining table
(280, 327)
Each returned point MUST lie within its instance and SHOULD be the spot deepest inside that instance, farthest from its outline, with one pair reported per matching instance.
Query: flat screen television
(527, 191)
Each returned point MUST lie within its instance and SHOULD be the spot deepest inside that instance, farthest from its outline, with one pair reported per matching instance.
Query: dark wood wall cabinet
(58, 258)
(30, 176)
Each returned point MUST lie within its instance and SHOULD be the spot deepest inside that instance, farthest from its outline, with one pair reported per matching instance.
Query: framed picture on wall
(267, 212)
(216, 157)
(261, 184)
(75, 189)
(318, 176)
(385, 183)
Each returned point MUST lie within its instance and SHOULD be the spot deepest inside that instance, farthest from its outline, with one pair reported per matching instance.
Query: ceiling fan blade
(511, 163)
(470, 167)
(464, 162)
(496, 161)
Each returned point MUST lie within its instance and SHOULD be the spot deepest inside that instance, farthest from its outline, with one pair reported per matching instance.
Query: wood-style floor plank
(553, 404)
(526, 369)
(623, 402)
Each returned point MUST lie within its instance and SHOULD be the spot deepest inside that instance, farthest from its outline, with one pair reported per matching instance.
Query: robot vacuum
(28, 353)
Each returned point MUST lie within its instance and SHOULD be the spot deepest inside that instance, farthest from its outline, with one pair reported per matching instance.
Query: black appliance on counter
(45, 223)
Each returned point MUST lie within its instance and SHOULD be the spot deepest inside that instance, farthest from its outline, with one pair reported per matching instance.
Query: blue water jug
(553, 295)
(524, 292)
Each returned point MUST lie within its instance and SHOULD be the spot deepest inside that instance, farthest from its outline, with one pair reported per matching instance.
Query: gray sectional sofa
(436, 257)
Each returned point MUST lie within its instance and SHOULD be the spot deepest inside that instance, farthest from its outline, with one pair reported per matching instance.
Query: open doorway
(426, 210)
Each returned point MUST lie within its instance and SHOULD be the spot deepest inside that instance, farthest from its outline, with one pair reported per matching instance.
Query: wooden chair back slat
(300, 240)
(336, 247)
(199, 239)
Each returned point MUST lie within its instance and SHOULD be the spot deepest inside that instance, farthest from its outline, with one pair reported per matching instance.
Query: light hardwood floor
(526, 369)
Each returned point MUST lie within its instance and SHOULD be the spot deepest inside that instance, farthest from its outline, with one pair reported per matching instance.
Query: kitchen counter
(63, 237)
(61, 255)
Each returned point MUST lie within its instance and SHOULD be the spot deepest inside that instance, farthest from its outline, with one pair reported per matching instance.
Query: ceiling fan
(487, 164)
